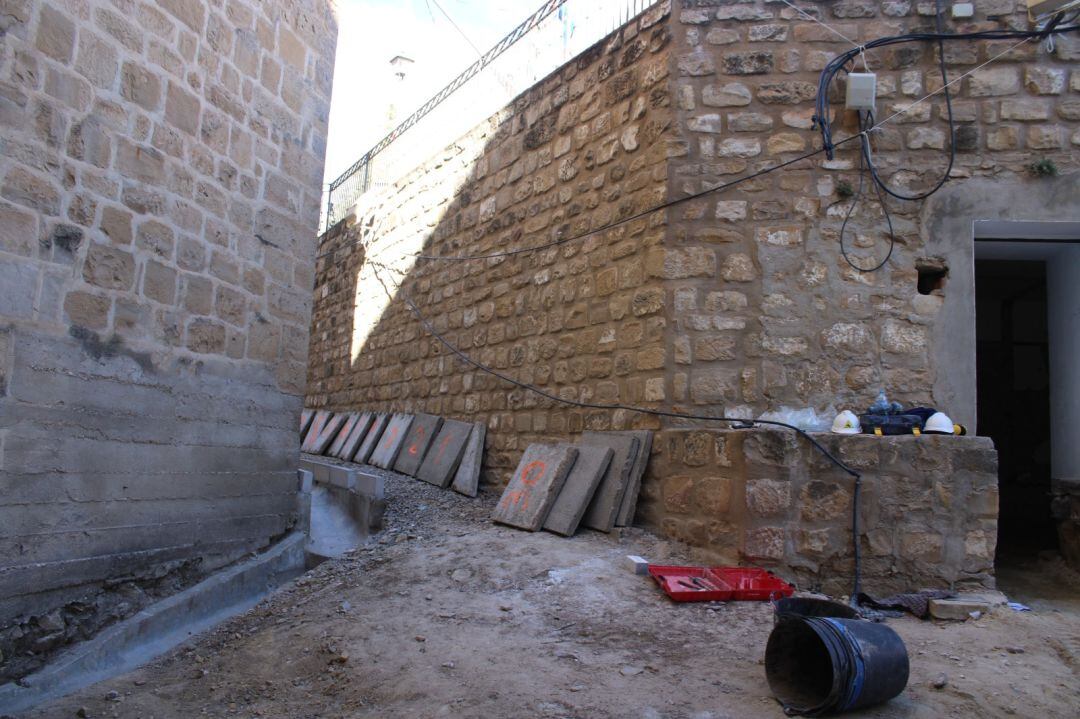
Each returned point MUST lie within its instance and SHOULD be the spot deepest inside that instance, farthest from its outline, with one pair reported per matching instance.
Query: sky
(372, 32)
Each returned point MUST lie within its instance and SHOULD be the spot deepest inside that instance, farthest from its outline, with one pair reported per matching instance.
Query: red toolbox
(719, 584)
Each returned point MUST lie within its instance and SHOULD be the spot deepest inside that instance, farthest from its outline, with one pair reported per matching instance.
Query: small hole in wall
(932, 276)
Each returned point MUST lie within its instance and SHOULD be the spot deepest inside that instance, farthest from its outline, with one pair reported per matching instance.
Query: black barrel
(810, 607)
(825, 665)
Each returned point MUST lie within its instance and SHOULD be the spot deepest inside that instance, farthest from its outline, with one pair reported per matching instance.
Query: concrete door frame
(952, 220)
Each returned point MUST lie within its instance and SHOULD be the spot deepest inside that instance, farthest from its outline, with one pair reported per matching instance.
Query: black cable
(840, 62)
(952, 126)
(610, 225)
(863, 125)
(737, 421)
(638, 216)
(593, 405)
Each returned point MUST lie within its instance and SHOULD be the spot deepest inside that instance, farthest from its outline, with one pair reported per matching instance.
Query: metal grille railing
(365, 173)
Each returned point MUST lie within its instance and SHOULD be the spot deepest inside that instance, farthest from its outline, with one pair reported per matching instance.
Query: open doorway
(1027, 302)
(1013, 386)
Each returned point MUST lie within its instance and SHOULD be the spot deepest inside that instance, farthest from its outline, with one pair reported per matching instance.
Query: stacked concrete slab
(535, 485)
(441, 452)
(599, 491)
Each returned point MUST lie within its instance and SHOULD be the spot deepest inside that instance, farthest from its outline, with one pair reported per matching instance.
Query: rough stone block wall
(766, 310)
(928, 505)
(585, 321)
(735, 303)
(159, 193)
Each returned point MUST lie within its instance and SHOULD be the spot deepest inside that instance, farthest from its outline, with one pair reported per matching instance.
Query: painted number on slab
(415, 446)
(532, 472)
(391, 435)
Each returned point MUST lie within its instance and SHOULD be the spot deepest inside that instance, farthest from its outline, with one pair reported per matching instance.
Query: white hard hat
(846, 423)
(939, 423)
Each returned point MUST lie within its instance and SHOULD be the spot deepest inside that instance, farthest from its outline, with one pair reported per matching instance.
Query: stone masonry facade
(735, 303)
(159, 190)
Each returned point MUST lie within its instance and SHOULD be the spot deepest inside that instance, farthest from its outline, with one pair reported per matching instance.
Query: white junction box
(861, 91)
(962, 9)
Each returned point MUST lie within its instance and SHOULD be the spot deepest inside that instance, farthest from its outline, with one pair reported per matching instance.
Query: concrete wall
(1063, 318)
(159, 190)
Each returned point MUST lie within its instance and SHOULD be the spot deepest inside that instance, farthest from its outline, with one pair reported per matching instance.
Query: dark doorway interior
(1013, 380)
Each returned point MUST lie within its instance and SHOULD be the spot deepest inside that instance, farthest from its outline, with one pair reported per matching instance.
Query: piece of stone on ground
(957, 609)
(326, 435)
(444, 455)
(305, 421)
(423, 429)
(633, 488)
(355, 437)
(393, 437)
(371, 439)
(467, 479)
(534, 485)
(314, 428)
(370, 484)
(639, 565)
(343, 434)
(578, 490)
(605, 504)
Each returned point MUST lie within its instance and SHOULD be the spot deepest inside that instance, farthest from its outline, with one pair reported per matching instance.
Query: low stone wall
(928, 506)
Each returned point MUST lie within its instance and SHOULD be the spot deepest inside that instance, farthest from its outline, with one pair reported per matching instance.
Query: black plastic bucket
(810, 607)
(825, 665)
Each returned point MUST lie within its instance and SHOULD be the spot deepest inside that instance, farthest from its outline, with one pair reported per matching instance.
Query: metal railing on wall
(381, 165)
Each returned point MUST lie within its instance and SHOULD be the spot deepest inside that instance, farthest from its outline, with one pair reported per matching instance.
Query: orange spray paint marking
(413, 449)
(532, 472)
(516, 498)
(442, 448)
(390, 439)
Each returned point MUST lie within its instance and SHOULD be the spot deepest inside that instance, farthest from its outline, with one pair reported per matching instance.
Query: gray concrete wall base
(159, 628)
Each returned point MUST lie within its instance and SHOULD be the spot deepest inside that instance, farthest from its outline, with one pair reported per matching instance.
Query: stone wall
(585, 320)
(766, 311)
(159, 190)
(737, 302)
(928, 505)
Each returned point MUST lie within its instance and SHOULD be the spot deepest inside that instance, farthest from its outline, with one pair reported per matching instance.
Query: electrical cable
(637, 216)
(737, 422)
(840, 62)
(863, 124)
(610, 225)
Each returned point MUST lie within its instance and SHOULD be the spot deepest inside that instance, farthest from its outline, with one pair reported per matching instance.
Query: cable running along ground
(738, 422)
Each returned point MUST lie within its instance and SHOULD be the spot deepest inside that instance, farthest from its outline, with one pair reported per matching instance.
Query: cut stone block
(444, 455)
(371, 439)
(370, 484)
(629, 503)
(638, 565)
(535, 485)
(957, 609)
(467, 479)
(318, 422)
(578, 490)
(320, 471)
(354, 437)
(605, 504)
(305, 421)
(423, 429)
(393, 437)
(319, 442)
(343, 434)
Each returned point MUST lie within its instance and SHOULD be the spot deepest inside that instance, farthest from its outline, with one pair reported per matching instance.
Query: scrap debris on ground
(446, 614)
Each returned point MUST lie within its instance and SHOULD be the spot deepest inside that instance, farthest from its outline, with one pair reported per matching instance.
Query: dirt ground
(448, 615)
